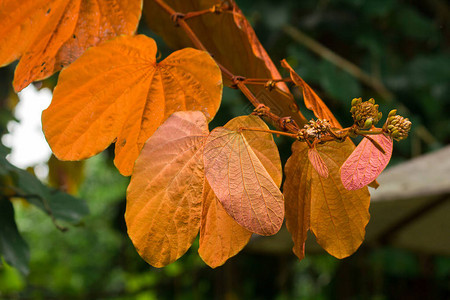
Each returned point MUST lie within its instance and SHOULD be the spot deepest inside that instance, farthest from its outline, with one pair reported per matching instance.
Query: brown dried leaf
(312, 101)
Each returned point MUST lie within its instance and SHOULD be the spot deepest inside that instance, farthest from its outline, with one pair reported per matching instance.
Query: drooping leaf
(338, 217)
(366, 162)
(164, 198)
(297, 195)
(56, 203)
(317, 162)
(49, 35)
(118, 92)
(231, 40)
(243, 169)
(220, 236)
(312, 101)
(13, 247)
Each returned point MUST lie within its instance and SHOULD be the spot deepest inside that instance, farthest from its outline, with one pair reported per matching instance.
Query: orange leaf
(366, 162)
(243, 168)
(164, 203)
(118, 92)
(317, 162)
(231, 40)
(220, 236)
(338, 217)
(51, 34)
(312, 101)
(297, 194)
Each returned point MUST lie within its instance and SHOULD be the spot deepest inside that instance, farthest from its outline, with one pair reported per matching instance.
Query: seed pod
(397, 126)
(392, 113)
(365, 114)
(356, 101)
(368, 124)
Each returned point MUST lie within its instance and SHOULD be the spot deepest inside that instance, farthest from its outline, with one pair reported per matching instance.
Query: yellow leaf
(164, 202)
(118, 92)
(220, 236)
(297, 195)
(338, 217)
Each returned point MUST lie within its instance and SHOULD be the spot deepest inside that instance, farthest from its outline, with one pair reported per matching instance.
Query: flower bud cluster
(365, 114)
(397, 126)
(315, 129)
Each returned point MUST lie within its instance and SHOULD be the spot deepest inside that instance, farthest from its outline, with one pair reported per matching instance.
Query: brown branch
(237, 81)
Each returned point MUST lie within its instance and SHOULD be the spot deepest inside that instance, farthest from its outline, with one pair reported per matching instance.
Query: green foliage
(13, 248)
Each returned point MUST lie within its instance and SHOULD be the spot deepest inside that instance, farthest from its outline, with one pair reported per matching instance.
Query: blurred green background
(400, 50)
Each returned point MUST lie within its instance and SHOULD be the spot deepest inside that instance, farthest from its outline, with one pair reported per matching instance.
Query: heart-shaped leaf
(366, 162)
(164, 198)
(118, 92)
(243, 168)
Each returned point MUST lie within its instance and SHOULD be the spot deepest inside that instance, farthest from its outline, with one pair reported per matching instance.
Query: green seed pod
(380, 115)
(353, 109)
(392, 113)
(368, 123)
(371, 100)
(356, 101)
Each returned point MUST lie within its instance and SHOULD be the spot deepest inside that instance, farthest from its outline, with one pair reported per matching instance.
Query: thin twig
(294, 136)
(375, 143)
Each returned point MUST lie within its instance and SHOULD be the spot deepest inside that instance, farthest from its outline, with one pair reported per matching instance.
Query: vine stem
(240, 83)
(237, 81)
(292, 135)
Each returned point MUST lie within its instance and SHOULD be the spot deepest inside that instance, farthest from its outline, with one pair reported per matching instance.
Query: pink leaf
(366, 162)
(317, 162)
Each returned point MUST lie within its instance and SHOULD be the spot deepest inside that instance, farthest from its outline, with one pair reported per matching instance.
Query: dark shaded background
(400, 45)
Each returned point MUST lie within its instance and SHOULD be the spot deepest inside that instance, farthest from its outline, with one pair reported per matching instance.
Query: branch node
(175, 17)
(285, 121)
(261, 110)
(235, 80)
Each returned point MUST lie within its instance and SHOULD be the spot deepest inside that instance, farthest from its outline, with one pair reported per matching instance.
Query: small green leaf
(13, 247)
